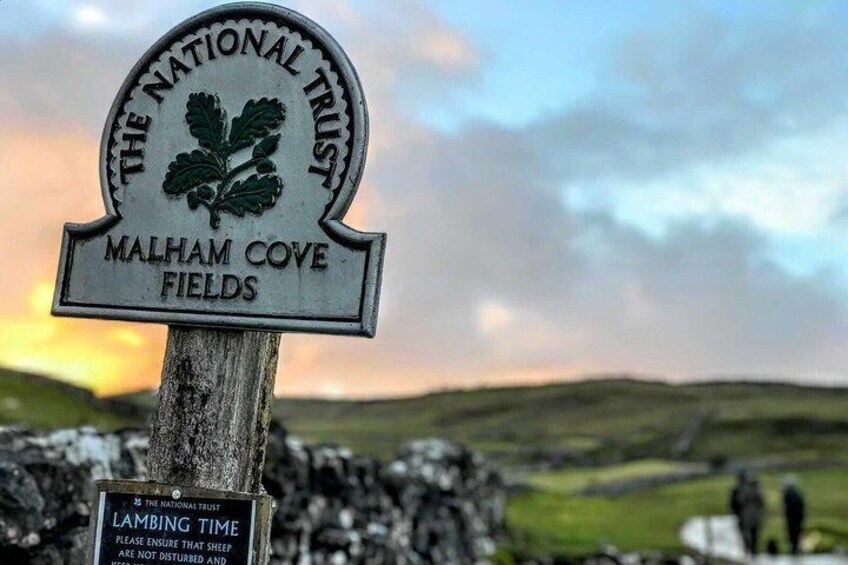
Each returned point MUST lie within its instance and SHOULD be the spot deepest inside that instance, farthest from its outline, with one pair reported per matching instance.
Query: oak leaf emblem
(205, 175)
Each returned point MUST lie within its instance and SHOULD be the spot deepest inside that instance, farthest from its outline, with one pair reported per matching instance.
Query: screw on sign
(229, 158)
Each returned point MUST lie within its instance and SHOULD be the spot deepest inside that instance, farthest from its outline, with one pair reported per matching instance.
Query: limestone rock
(437, 502)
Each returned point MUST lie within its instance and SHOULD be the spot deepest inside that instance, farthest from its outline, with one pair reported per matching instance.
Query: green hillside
(39, 402)
(587, 434)
(595, 421)
(599, 420)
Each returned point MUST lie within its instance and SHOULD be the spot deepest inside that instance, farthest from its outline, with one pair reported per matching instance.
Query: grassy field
(629, 428)
(606, 421)
(40, 403)
(551, 521)
(575, 480)
(597, 421)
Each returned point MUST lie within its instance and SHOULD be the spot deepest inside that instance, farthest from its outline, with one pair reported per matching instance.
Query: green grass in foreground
(39, 403)
(552, 522)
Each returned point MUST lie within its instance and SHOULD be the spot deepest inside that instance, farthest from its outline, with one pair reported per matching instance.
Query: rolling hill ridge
(593, 421)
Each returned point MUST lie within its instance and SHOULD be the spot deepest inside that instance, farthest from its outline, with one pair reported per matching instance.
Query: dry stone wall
(437, 502)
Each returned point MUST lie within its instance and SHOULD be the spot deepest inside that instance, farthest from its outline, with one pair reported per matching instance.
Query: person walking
(795, 511)
(748, 505)
(736, 498)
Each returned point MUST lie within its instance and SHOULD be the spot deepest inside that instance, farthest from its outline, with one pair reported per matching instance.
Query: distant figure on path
(748, 505)
(794, 510)
(736, 497)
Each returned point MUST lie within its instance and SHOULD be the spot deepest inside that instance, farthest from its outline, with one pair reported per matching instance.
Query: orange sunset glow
(577, 200)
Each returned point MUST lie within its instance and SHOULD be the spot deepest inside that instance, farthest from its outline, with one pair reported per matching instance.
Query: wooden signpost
(229, 158)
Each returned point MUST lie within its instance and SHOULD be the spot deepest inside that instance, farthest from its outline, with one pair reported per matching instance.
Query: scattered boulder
(437, 502)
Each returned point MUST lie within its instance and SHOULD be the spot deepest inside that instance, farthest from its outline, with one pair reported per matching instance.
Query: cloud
(493, 274)
(478, 221)
(702, 91)
(483, 230)
(61, 77)
(62, 81)
(90, 16)
(47, 179)
(493, 317)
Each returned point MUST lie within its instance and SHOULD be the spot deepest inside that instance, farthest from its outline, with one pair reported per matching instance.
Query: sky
(570, 188)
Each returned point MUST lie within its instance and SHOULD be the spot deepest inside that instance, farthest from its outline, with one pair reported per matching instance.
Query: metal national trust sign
(229, 157)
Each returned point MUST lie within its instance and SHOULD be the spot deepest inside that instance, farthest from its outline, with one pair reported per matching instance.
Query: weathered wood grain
(211, 424)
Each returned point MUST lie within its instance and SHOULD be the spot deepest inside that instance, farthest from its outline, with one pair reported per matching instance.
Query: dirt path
(717, 536)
